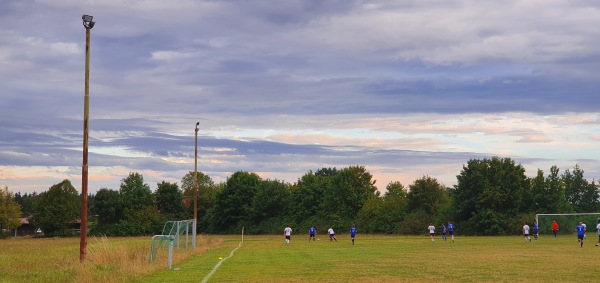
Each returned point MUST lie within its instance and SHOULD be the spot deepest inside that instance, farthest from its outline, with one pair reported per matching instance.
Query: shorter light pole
(195, 186)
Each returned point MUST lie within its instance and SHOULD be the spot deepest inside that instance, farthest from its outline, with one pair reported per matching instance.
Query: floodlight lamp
(197, 124)
(87, 21)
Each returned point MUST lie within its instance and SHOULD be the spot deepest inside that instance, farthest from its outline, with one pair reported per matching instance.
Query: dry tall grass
(108, 259)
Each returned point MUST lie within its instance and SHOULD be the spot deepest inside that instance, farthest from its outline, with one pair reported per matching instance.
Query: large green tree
(269, 206)
(489, 197)
(169, 201)
(233, 205)
(57, 209)
(581, 194)
(383, 214)
(345, 195)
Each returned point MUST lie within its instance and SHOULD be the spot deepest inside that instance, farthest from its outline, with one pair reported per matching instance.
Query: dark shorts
(352, 235)
(431, 234)
(287, 237)
(312, 235)
(526, 235)
(451, 233)
(331, 235)
(580, 237)
(443, 233)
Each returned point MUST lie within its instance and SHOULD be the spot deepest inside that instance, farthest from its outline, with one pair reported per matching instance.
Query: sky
(406, 88)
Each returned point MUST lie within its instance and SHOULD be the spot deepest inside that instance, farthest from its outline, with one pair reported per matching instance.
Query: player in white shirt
(331, 234)
(584, 229)
(431, 231)
(598, 232)
(287, 232)
(526, 237)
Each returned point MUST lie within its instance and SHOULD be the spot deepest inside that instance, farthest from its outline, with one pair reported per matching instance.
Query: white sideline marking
(219, 264)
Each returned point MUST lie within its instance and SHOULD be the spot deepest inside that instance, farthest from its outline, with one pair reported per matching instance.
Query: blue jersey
(580, 230)
(535, 228)
(312, 230)
(450, 227)
(443, 228)
(353, 231)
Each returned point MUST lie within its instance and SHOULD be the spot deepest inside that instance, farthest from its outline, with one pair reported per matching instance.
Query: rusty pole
(195, 186)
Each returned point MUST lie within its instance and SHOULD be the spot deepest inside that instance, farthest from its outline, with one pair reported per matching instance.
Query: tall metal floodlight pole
(195, 185)
(88, 24)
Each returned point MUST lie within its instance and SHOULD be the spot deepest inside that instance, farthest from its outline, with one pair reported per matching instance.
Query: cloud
(406, 88)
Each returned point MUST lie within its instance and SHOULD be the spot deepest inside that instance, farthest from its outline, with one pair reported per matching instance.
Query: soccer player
(451, 230)
(535, 230)
(431, 232)
(526, 237)
(331, 234)
(443, 232)
(598, 232)
(584, 229)
(311, 232)
(287, 232)
(554, 228)
(580, 233)
(352, 233)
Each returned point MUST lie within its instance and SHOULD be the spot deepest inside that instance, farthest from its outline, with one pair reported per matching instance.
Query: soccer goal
(567, 222)
(172, 232)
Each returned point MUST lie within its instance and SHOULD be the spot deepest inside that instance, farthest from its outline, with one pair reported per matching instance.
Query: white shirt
(598, 228)
(431, 229)
(330, 231)
(526, 229)
(288, 231)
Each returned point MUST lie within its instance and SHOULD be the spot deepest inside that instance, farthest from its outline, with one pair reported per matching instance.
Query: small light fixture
(87, 21)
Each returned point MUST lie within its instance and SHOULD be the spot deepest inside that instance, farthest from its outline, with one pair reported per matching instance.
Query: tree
(428, 195)
(490, 196)
(582, 195)
(207, 193)
(135, 194)
(169, 201)
(57, 208)
(233, 205)
(348, 190)
(547, 193)
(27, 203)
(304, 208)
(269, 206)
(10, 211)
(384, 214)
(107, 206)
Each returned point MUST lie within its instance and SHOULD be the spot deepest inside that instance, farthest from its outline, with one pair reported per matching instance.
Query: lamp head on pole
(197, 123)
(87, 21)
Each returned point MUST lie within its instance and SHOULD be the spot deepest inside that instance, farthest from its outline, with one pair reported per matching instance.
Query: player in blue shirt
(535, 230)
(451, 230)
(311, 232)
(353, 233)
(443, 232)
(580, 233)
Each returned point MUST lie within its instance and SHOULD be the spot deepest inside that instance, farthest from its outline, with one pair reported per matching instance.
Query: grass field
(268, 259)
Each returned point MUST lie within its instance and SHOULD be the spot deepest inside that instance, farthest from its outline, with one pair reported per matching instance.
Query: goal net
(567, 222)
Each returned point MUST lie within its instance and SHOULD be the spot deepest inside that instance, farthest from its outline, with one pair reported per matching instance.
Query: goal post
(567, 222)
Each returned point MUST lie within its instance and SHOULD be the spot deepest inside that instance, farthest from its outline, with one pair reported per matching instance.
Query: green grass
(268, 259)
(394, 259)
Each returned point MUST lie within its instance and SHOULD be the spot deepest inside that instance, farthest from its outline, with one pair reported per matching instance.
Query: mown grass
(395, 259)
(268, 259)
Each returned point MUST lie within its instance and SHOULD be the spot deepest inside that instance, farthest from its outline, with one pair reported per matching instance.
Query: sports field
(268, 259)
(394, 259)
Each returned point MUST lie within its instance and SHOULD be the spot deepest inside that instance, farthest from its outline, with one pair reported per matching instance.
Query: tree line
(492, 197)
